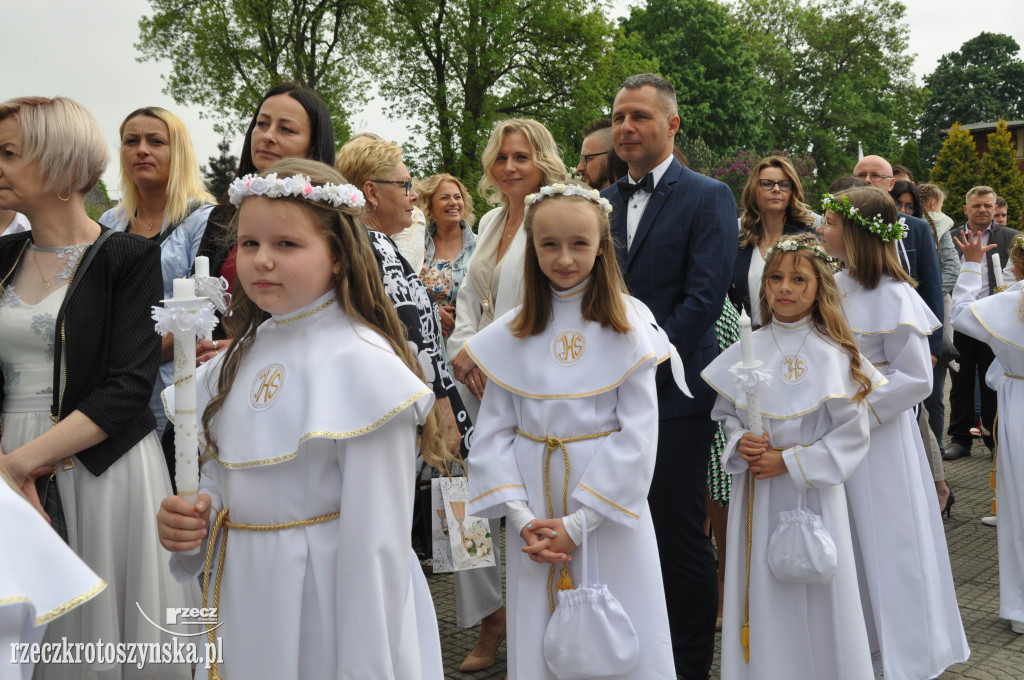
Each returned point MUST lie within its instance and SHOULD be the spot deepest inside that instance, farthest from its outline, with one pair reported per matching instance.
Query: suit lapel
(657, 201)
(618, 222)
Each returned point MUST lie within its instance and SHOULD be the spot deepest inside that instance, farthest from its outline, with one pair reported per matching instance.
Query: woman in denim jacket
(449, 241)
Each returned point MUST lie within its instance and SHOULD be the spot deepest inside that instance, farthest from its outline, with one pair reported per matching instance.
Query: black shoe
(948, 510)
(955, 451)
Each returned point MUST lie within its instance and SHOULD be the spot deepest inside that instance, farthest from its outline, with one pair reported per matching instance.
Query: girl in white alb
(998, 321)
(310, 425)
(813, 388)
(907, 590)
(568, 427)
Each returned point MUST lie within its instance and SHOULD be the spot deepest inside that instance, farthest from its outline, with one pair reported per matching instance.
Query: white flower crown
(876, 225)
(299, 186)
(789, 245)
(559, 189)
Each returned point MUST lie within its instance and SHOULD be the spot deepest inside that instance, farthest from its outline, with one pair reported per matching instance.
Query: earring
(63, 198)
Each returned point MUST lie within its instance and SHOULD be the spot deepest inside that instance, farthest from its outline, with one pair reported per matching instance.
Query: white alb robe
(907, 582)
(574, 379)
(322, 418)
(796, 630)
(995, 320)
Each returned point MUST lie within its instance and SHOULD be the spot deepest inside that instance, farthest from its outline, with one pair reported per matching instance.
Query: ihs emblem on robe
(793, 369)
(266, 386)
(568, 347)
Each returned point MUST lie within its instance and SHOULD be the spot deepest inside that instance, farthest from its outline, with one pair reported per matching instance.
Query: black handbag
(46, 486)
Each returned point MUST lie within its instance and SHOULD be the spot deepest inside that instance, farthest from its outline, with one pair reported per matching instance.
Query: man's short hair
(898, 169)
(599, 124)
(665, 90)
(846, 182)
(980, 190)
(1000, 202)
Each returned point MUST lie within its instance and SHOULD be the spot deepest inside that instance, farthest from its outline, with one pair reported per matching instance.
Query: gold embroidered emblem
(793, 369)
(568, 347)
(266, 386)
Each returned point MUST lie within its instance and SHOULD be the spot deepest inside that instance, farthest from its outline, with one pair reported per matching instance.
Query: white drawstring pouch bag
(590, 635)
(800, 549)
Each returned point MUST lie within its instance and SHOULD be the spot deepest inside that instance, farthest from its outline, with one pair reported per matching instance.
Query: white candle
(997, 268)
(202, 266)
(746, 339)
(184, 289)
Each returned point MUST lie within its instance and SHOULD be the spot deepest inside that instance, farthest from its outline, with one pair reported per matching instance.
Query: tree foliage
(735, 170)
(455, 67)
(999, 171)
(701, 50)
(225, 53)
(910, 156)
(982, 82)
(835, 72)
(956, 170)
(221, 171)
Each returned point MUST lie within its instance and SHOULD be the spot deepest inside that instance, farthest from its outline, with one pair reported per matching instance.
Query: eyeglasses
(586, 157)
(407, 183)
(769, 184)
(905, 208)
(868, 176)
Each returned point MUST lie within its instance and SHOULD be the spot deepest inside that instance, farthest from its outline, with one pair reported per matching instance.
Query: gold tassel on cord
(564, 580)
(992, 475)
(745, 631)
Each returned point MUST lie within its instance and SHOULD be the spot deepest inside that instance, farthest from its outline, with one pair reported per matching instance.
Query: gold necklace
(793, 367)
(46, 281)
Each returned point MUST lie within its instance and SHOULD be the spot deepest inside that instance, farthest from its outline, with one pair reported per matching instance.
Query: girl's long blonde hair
(867, 255)
(360, 295)
(826, 313)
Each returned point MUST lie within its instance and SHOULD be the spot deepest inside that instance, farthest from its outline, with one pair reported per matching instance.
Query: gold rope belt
(1015, 377)
(222, 521)
(550, 444)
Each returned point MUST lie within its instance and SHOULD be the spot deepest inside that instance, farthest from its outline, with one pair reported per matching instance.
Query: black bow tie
(627, 189)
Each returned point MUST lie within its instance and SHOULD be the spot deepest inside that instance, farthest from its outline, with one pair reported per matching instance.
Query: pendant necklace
(793, 367)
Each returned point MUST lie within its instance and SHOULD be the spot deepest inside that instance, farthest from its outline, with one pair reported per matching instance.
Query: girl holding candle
(907, 590)
(297, 467)
(998, 321)
(570, 379)
(809, 437)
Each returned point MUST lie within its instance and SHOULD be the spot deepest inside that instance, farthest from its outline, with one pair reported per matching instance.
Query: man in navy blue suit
(676, 237)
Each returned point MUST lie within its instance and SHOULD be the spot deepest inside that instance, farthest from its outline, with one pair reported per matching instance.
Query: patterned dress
(728, 331)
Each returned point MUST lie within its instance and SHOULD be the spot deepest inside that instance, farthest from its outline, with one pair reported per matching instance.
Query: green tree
(221, 171)
(982, 82)
(452, 68)
(701, 50)
(225, 53)
(834, 73)
(956, 170)
(910, 156)
(999, 171)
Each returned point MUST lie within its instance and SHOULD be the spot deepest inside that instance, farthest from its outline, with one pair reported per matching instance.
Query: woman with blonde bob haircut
(79, 358)
(521, 156)
(163, 198)
(773, 205)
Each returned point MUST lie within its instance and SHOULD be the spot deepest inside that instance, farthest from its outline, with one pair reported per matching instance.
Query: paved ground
(996, 652)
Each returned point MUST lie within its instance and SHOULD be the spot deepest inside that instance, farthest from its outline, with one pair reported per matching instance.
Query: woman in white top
(521, 156)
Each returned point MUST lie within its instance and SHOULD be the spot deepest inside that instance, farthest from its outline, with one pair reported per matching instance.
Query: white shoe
(990, 521)
(1017, 627)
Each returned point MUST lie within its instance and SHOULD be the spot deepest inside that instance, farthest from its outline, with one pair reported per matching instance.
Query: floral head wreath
(299, 186)
(790, 246)
(876, 225)
(559, 189)
(1018, 242)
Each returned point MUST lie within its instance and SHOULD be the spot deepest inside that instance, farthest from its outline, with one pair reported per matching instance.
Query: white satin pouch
(801, 550)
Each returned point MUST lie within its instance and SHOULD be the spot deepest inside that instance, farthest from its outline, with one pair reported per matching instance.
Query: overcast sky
(84, 50)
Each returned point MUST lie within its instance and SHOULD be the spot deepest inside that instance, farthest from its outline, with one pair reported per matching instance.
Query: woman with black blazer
(79, 356)
(773, 205)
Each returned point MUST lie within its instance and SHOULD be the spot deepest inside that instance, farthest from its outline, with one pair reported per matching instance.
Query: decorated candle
(997, 269)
